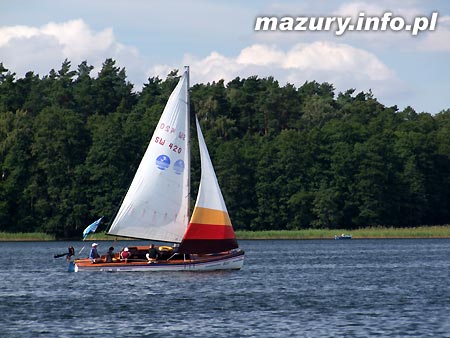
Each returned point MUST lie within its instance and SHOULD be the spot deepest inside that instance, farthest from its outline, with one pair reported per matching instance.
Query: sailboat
(157, 204)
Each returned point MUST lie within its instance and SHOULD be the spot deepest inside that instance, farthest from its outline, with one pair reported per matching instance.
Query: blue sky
(217, 39)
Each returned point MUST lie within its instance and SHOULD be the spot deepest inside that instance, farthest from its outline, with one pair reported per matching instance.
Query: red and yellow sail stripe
(209, 231)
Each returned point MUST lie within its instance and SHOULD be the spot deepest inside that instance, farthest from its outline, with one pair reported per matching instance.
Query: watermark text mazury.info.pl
(344, 24)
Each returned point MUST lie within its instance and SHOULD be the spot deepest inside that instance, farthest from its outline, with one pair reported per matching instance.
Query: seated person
(110, 255)
(93, 255)
(125, 254)
(152, 254)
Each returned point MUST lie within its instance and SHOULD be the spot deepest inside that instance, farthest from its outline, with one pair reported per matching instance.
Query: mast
(188, 123)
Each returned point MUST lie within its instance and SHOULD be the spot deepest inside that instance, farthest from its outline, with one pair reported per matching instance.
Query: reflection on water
(356, 288)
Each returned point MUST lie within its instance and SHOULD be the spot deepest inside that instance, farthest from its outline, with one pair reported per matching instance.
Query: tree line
(285, 157)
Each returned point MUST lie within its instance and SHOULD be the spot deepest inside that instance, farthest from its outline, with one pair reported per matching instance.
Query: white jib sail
(156, 205)
(209, 193)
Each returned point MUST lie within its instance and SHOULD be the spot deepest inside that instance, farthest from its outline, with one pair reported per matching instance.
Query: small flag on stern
(91, 228)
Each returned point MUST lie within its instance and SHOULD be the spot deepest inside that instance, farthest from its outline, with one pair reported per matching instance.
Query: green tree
(107, 164)
(58, 151)
(111, 87)
(16, 137)
(83, 92)
(233, 164)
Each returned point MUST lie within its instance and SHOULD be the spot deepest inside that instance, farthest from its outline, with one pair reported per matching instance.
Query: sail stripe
(209, 231)
(207, 246)
(210, 216)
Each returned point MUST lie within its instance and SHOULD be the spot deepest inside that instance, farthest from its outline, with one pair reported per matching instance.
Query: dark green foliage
(285, 157)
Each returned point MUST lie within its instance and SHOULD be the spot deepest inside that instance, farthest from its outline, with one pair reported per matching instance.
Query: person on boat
(110, 255)
(93, 255)
(70, 252)
(152, 254)
(125, 254)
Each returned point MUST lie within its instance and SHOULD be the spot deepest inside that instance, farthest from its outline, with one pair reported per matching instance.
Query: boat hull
(343, 237)
(224, 261)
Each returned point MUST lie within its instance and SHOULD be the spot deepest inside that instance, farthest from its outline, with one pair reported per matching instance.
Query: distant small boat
(343, 236)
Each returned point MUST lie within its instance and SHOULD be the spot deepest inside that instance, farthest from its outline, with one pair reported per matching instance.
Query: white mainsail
(156, 205)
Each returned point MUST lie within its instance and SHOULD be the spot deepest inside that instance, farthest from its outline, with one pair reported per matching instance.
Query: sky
(217, 39)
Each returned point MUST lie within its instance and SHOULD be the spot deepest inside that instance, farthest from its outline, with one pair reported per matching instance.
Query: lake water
(314, 288)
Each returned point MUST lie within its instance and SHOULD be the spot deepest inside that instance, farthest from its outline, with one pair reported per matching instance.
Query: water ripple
(358, 288)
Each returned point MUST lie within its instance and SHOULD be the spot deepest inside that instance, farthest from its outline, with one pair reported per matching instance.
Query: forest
(285, 157)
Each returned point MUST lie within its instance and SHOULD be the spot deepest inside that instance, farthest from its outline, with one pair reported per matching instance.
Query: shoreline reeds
(25, 236)
(364, 233)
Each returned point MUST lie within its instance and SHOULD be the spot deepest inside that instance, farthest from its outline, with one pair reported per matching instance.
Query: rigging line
(79, 253)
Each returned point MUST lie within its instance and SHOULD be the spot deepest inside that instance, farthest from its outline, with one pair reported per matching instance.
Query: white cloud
(338, 58)
(342, 65)
(439, 40)
(261, 55)
(77, 40)
(16, 32)
(39, 49)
